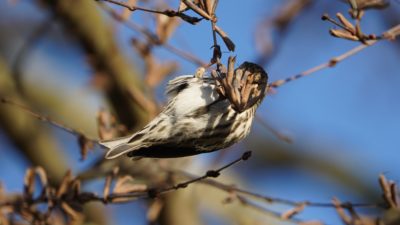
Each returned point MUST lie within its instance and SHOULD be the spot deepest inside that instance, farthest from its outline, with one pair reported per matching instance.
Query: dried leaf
(149, 106)
(165, 27)
(197, 9)
(3, 220)
(26, 214)
(126, 184)
(395, 195)
(387, 190)
(85, 145)
(71, 212)
(358, 30)
(154, 210)
(343, 34)
(126, 13)
(158, 72)
(183, 7)
(65, 184)
(108, 181)
(2, 191)
(209, 6)
(368, 4)
(42, 175)
(228, 42)
(345, 22)
(76, 186)
(294, 211)
(311, 222)
(29, 182)
(155, 73)
(340, 211)
(106, 125)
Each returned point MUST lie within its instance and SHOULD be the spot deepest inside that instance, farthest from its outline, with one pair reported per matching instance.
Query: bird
(199, 116)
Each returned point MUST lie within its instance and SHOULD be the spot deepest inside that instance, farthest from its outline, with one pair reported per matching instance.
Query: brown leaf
(346, 22)
(209, 6)
(26, 214)
(165, 27)
(75, 215)
(126, 184)
(106, 125)
(343, 34)
(29, 182)
(3, 220)
(42, 175)
(294, 211)
(370, 4)
(84, 145)
(158, 72)
(2, 191)
(340, 211)
(311, 222)
(197, 9)
(183, 7)
(108, 181)
(65, 184)
(228, 42)
(76, 186)
(389, 193)
(148, 105)
(126, 13)
(154, 210)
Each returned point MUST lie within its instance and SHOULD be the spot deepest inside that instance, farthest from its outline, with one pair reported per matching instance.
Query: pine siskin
(203, 114)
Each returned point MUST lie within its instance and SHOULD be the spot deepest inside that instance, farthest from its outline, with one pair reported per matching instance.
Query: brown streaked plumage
(199, 116)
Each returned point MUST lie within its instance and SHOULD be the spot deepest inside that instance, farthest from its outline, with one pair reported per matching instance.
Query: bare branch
(168, 12)
(390, 34)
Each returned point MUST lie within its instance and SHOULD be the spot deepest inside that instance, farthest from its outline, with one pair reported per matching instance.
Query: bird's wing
(177, 85)
(187, 94)
(141, 139)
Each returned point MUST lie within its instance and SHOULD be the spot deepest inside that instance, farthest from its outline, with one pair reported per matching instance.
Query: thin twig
(157, 192)
(390, 34)
(46, 119)
(152, 38)
(168, 12)
(275, 132)
(186, 55)
(196, 9)
(270, 200)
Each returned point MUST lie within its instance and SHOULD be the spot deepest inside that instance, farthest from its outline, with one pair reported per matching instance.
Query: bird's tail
(116, 147)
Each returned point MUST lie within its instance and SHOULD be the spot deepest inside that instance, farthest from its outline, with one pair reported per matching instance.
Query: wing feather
(177, 85)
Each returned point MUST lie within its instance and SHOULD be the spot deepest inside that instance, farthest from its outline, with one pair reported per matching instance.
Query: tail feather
(115, 142)
(123, 145)
(117, 147)
(118, 151)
